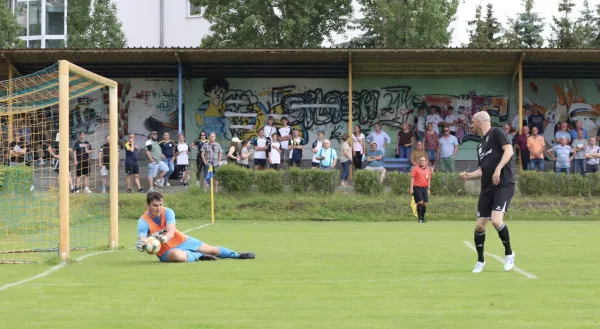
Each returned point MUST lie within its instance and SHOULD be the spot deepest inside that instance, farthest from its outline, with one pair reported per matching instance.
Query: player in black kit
(497, 186)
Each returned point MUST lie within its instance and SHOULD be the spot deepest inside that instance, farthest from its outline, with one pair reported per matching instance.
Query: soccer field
(323, 275)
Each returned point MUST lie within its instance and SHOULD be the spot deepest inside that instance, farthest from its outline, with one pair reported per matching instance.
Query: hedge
(235, 179)
(16, 179)
(549, 183)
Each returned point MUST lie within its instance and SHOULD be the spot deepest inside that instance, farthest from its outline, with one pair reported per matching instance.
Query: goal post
(59, 154)
(65, 69)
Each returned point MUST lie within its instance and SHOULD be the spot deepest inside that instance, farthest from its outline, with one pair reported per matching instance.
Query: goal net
(58, 164)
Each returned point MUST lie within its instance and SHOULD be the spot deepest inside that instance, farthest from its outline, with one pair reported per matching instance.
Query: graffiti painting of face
(216, 95)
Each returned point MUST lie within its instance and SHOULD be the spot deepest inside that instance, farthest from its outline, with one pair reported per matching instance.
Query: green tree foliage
(9, 29)
(406, 23)
(97, 28)
(564, 28)
(529, 26)
(585, 29)
(484, 32)
(273, 24)
(511, 37)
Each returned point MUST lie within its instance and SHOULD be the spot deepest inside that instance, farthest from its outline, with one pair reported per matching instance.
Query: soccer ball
(152, 245)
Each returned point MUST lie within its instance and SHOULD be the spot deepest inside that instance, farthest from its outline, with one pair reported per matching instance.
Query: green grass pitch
(323, 275)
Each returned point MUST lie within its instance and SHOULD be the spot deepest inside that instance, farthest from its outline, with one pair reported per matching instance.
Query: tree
(9, 29)
(530, 27)
(585, 29)
(97, 28)
(563, 28)
(406, 23)
(511, 37)
(484, 32)
(273, 24)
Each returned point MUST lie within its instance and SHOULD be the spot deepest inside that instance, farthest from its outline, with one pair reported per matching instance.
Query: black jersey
(489, 154)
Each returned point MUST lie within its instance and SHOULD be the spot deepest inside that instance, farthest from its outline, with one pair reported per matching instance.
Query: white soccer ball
(152, 245)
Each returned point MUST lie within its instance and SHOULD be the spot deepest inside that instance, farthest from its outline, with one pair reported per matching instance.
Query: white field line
(50, 271)
(501, 260)
(197, 228)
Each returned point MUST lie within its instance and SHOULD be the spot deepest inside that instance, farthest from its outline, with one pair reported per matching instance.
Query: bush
(269, 181)
(549, 183)
(447, 184)
(323, 181)
(399, 182)
(16, 179)
(297, 179)
(367, 182)
(234, 178)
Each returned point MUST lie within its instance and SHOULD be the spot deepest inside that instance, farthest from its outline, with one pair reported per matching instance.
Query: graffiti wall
(144, 105)
(564, 100)
(239, 107)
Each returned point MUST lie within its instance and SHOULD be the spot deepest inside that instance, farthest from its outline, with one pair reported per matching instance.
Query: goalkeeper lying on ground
(159, 222)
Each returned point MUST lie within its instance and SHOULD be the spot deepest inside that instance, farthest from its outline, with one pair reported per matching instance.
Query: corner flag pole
(212, 198)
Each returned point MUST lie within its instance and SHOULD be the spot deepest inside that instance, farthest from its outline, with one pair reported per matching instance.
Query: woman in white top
(345, 157)
(358, 146)
(245, 154)
(275, 154)
(183, 160)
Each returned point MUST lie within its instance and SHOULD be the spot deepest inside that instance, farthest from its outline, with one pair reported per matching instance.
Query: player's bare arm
(471, 175)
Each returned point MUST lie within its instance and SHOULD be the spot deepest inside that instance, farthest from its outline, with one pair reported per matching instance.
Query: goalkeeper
(159, 222)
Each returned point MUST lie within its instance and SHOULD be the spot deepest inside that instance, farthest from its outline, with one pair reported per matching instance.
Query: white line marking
(50, 271)
(501, 260)
(197, 228)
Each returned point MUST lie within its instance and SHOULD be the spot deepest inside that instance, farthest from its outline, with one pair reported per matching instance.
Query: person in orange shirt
(420, 183)
(536, 145)
(159, 222)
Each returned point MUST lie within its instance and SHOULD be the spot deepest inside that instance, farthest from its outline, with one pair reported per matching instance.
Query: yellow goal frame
(64, 69)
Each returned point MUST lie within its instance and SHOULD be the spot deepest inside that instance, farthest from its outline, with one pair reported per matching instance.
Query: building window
(41, 21)
(193, 10)
(55, 17)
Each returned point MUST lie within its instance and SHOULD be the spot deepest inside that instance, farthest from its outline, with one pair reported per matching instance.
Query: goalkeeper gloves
(159, 237)
(141, 245)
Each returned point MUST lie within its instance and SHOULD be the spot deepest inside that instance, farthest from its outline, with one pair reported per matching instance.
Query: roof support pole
(180, 93)
(520, 73)
(10, 102)
(350, 104)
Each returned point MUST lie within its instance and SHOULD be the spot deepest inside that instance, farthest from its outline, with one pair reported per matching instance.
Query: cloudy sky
(502, 8)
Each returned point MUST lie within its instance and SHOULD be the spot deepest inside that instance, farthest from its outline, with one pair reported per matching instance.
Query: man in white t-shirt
(435, 119)
(451, 120)
(260, 150)
(285, 134)
(182, 152)
(316, 147)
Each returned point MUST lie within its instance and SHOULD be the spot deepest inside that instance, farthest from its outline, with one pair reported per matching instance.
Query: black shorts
(315, 164)
(420, 194)
(260, 162)
(182, 168)
(83, 168)
(132, 169)
(494, 198)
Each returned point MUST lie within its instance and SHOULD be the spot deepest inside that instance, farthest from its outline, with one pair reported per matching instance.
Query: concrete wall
(141, 23)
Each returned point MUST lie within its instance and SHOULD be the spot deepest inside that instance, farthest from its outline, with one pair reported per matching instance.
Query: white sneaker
(159, 183)
(167, 184)
(87, 190)
(478, 267)
(509, 262)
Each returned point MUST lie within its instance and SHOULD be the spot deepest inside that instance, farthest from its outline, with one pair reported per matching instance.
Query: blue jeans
(404, 152)
(561, 170)
(345, 170)
(171, 165)
(579, 166)
(539, 163)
